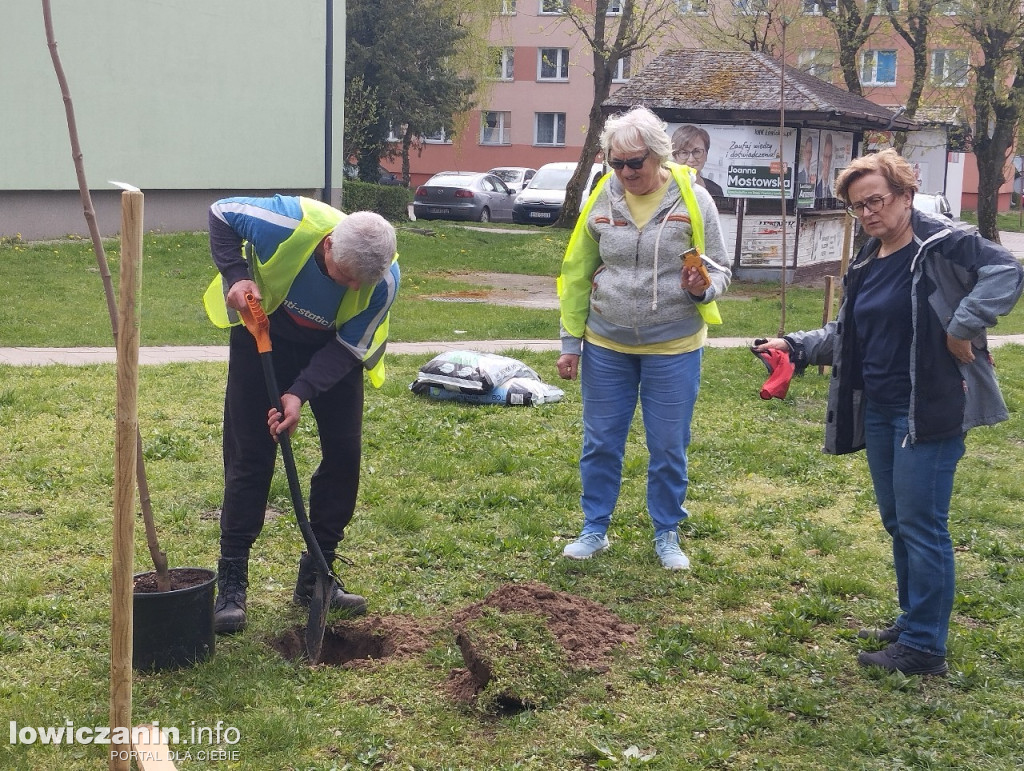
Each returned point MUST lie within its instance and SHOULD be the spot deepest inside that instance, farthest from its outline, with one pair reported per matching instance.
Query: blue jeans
(913, 486)
(667, 387)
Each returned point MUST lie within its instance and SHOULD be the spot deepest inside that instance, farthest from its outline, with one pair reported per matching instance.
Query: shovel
(256, 321)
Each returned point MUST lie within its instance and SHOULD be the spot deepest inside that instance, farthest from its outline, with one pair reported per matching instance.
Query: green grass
(61, 300)
(746, 661)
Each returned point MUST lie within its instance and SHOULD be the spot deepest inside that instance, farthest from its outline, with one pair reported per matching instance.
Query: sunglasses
(634, 163)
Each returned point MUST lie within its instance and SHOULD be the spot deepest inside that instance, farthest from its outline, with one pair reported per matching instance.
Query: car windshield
(505, 175)
(551, 179)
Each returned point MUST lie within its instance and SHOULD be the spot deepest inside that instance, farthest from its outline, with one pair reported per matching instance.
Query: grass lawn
(746, 661)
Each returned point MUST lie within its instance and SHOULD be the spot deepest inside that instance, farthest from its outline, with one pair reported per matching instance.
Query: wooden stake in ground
(126, 446)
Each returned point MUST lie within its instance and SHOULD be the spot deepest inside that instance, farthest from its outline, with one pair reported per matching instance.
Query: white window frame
(818, 62)
(553, 7)
(869, 66)
(502, 125)
(692, 7)
(949, 7)
(813, 7)
(941, 73)
(750, 7)
(882, 7)
(614, 8)
(561, 62)
(622, 70)
(557, 120)
(508, 8)
(505, 58)
(441, 137)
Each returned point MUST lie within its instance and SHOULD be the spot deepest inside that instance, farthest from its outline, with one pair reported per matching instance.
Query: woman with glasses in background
(633, 324)
(911, 374)
(690, 145)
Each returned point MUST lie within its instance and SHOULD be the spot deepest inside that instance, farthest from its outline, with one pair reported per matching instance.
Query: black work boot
(354, 604)
(229, 609)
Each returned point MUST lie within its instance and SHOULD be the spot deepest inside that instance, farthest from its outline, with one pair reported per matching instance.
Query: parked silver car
(463, 195)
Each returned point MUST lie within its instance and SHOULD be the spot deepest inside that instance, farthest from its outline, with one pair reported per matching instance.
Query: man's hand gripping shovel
(258, 324)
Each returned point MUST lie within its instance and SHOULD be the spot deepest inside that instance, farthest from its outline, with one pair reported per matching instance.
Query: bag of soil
(470, 372)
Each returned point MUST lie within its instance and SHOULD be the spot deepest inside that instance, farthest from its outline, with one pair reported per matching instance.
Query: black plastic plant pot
(173, 629)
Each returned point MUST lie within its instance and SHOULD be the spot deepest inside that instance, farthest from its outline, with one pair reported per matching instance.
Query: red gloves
(780, 370)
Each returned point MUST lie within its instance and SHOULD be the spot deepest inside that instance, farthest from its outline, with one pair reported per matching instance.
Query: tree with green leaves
(611, 38)
(405, 74)
(997, 27)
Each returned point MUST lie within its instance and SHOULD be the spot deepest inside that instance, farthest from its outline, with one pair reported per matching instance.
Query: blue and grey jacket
(961, 284)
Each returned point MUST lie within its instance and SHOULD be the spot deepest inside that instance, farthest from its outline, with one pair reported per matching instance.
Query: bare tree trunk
(158, 556)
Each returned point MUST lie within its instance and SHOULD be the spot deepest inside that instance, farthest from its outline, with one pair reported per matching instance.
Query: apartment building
(534, 106)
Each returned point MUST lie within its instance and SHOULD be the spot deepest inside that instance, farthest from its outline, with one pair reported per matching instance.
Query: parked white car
(933, 204)
(516, 177)
(541, 201)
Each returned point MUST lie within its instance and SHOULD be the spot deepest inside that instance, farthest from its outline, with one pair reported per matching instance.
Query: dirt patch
(584, 632)
(361, 643)
(506, 289)
(181, 578)
(539, 291)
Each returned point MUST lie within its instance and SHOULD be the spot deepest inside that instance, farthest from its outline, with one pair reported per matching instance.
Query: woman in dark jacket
(911, 374)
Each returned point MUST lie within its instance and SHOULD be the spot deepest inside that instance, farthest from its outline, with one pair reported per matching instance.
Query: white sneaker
(586, 546)
(666, 546)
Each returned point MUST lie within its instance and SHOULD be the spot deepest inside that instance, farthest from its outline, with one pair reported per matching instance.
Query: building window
(508, 7)
(948, 7)
(496, 128)
(878, 68)
(692, 7)
(814, 7)
(614, 8)
(882, 7)
(550, 129)
(949, 68)
(818, 63)
(557, 7)
(504, 63)
(553, 64)
(621, 70)
(752, 7)
(439, 137)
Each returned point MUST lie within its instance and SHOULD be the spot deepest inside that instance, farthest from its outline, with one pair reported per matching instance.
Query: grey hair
(638, 130)
(364, 244)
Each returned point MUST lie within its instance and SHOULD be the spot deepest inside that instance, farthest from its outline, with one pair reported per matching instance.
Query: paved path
(177, 353)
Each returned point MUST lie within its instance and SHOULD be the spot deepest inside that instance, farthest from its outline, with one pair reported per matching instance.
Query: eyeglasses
(696, 154)
(873, 205)
(634, 163)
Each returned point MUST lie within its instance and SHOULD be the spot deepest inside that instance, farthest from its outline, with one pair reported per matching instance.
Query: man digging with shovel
(327, 281)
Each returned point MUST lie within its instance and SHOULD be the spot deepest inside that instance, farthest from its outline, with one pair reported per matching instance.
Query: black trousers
(250, 453)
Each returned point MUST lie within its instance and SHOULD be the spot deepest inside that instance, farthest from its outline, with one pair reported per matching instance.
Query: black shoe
(888, 635)
(229, 609)
(354, 604)
(901, 658)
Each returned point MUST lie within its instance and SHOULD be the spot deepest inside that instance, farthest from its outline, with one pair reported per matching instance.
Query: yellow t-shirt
(642, 207)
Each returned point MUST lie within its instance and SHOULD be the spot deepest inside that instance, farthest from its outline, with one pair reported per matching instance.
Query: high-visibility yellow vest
(582, 259)
(275, 276)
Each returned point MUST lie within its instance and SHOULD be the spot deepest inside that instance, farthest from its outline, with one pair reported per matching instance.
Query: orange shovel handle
(256, 321)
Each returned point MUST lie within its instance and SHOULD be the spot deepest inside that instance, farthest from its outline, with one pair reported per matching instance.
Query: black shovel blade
(319, 604)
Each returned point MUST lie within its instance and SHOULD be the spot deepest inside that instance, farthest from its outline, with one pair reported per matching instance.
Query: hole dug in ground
(360, 643)
(525, 645)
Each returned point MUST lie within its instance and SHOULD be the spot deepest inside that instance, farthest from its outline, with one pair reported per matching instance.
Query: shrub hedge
(391, 202)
